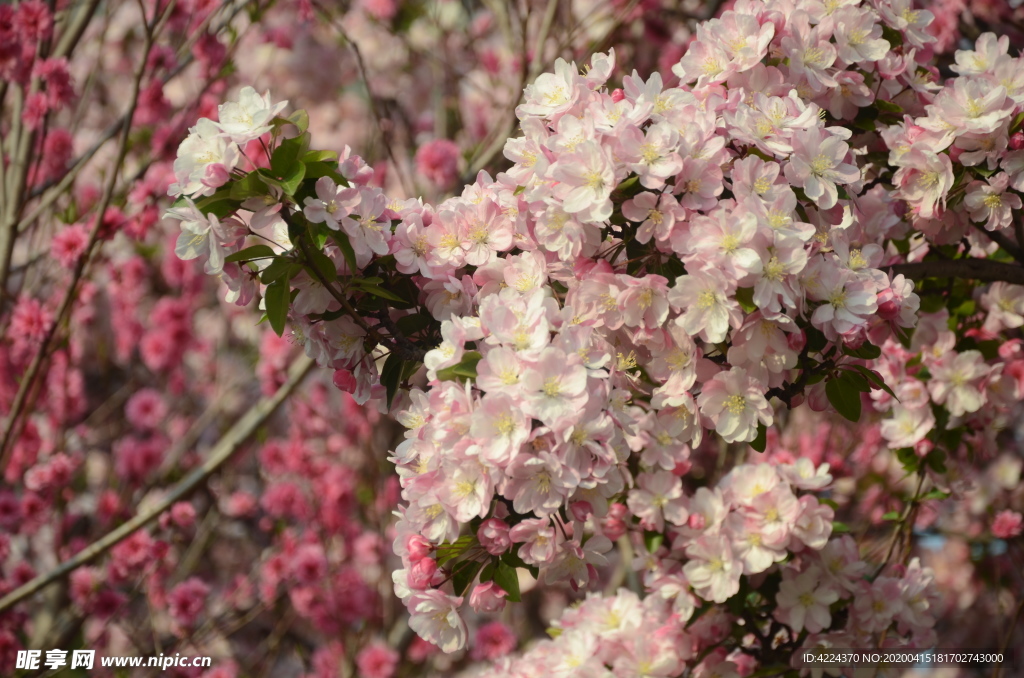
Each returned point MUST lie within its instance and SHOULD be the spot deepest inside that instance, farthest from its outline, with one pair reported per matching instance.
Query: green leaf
(377, 290)
(760, 442)
(934, 494)
(221, 207)
(300, 119)
(277, 297)
(816, 340)
(875, 379)
(320, 156)
(277, 268)
(839, 528)
(247, 187)
(269, 179)
(487, 574)
(630, 185)
(410, 368)
(288, 154)
(891, 515)
(907, 458)
(893, 36)
(391, 376)
(745, 297)
(341, 238)
(317, 169)
(1018, 120)
(507, 578)
(936, 460)
(519, 190)
(323, 265)
(888, 107)
(866, 351)
(464, 369)
(845, 398)
(411, 324)
(452, 550)
(513, 558)
(463, 575)
(250, 253)
(967, 308)
(855, 380)
(653, 540)
(292, 179)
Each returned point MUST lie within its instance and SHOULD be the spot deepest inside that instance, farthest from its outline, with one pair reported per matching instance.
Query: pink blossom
(734, 403)
(493, 535)
(187, 600)
(804, 601)
(1007, 524)
(712, 569)
(377, 661)
(438, 161)
(493, 641)
(487, 598)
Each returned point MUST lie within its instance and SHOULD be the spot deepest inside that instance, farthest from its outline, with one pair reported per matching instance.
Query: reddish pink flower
(1007, 524)
(493, 641)
(438, 161)
(377, 661)
(187, 600)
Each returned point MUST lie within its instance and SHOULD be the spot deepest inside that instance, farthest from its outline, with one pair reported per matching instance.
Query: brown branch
(985, 270)
(220, 454)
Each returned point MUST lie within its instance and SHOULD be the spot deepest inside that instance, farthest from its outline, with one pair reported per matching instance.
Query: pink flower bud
(888, 309)
(418, 547)
(487, 597)
(955, 152)
(922, 448)
(796, 340)
(493, 536)
(1017, 141)
(696, 521)
(345, 381)
(581, 510)
(216, 176)
(618, 95)
(421, 573)
(682, 468)
(613, 525)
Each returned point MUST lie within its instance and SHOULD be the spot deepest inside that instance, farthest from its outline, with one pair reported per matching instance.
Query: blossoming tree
(598, 345)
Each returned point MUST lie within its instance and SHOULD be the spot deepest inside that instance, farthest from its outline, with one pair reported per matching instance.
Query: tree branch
(985, 270)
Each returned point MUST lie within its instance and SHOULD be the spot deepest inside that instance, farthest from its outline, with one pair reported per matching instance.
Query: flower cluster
(659, 262)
